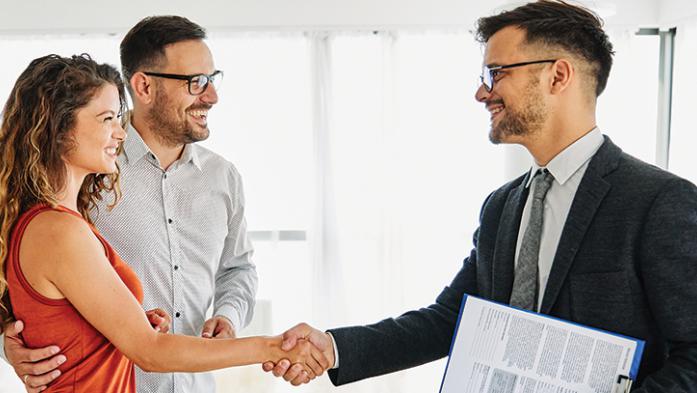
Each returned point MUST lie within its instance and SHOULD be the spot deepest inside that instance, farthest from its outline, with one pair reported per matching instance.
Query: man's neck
(166, 154)
(546, 145)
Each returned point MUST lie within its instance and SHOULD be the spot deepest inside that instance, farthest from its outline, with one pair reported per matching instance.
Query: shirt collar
(135, 149)
(571, 159)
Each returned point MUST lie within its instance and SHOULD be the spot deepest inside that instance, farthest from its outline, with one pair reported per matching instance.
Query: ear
(142, 88)
(563, 73)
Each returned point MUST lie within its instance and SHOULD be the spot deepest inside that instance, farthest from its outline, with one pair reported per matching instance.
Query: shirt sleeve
(236, 280)
(2, 348)
(336, 352)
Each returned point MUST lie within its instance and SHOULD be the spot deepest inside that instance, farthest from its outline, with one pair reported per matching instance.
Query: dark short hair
(144, 45)
(559, 24)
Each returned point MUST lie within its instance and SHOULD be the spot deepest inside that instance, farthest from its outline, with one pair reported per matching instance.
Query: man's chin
(199, 135)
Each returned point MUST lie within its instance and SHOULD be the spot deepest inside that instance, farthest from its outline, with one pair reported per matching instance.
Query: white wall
(71, 16)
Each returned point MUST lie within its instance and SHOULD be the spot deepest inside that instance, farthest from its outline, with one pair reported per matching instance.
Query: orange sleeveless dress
(93, 364)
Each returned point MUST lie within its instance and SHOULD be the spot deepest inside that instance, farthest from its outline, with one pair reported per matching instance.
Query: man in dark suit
(589, 234)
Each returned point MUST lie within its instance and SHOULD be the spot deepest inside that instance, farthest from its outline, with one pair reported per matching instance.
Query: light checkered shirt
(183, 232)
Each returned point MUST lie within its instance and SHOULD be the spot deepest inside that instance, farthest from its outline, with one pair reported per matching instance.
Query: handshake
(301, 354)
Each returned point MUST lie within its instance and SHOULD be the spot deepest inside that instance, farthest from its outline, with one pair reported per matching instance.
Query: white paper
(499, 349)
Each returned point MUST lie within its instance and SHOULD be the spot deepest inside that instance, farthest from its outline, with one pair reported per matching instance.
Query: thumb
(14, 329)
(291, 337)
(208, 328)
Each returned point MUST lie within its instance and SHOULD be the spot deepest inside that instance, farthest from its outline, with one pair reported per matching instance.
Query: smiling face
(97, 133)
(516, 102)
(178, 116)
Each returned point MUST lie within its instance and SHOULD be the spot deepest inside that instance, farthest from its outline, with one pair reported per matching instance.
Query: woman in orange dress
(59, 139)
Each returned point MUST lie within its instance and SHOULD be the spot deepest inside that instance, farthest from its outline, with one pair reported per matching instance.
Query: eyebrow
(108, 111)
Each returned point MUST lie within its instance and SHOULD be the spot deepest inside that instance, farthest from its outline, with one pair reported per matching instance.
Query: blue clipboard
(622, 384)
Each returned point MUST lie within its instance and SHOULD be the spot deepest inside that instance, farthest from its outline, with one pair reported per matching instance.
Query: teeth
(111, 150)
(198, 113)
(497, 110)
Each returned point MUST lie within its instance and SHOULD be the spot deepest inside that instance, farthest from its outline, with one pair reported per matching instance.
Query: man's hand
(295, 374)
(36, 367)
(218, 327)
(159, 320)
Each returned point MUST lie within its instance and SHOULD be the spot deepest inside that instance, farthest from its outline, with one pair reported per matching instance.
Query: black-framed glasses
(489, 74)
(197, 83)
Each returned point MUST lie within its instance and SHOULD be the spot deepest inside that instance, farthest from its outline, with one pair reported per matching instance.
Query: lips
(495, 110)
(200, 116)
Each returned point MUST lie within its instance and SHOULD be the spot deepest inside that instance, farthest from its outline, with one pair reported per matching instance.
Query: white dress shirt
(183, 232)
(568, 168)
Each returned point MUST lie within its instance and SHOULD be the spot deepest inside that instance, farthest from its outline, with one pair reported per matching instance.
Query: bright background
(369, 144)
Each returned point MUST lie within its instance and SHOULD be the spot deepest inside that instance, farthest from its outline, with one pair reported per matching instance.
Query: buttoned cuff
(336, 352)
(232, 314)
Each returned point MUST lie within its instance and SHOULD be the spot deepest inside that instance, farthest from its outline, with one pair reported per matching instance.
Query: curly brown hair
(36, 135)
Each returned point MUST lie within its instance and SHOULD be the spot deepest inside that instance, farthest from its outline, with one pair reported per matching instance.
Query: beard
(523, 122)
(172, 130)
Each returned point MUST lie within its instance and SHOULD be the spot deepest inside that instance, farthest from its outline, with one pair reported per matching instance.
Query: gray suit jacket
(626, 262)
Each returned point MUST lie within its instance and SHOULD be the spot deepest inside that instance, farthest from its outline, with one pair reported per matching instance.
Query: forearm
(176, 353)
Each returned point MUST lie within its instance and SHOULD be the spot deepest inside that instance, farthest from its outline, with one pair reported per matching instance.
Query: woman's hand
(159, 320)
(305, 354)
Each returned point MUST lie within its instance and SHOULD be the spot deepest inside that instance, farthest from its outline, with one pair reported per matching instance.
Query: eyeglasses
(197, 83)
(489, 74)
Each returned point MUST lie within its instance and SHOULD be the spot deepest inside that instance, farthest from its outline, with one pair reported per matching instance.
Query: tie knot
(543, 181)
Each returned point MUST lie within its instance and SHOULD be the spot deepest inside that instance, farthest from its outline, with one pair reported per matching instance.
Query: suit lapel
(506, 239)
(591, 192)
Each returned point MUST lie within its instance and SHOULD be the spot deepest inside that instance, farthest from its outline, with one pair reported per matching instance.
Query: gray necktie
(525, 283)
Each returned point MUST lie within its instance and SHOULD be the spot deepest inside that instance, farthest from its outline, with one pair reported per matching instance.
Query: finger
(290, 337)
(25, 355)
(209, 328)
(300, 379)
(293, 373)
(268, 366)
(320, 358)
(314, 365)
(281, 368)
(223, 330)
(13, 329)
(40, 368)
(40, 381)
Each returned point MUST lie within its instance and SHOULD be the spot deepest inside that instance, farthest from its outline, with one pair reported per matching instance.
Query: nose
(119, 133)
(481, 94)
(210, 96)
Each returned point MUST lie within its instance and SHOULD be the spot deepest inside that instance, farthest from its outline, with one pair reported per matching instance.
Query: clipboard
(497, 348)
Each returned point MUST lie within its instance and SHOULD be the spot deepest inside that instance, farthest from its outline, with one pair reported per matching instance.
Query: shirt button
(177, 314)
(165, 175)
(169, 220)
(176, 267)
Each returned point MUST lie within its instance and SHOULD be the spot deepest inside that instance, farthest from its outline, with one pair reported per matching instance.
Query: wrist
(272, 349)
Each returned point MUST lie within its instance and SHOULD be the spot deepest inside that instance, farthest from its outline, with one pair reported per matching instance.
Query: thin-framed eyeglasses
(197, 83)
(489, 74)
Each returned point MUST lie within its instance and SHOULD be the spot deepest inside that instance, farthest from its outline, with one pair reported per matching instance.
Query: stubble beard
(168, 128)
(521, 123)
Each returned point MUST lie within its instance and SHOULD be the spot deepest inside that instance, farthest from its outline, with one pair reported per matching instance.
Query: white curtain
(374, 145)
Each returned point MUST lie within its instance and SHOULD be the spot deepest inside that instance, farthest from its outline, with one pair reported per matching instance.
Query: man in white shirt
(180, 224)
(589, 234)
